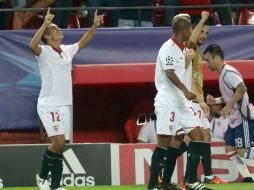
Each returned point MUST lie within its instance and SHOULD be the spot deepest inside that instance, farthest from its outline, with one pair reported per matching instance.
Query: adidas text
(78, 180)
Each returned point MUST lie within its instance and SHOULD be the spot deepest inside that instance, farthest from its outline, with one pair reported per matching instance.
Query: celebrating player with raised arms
(55, 65)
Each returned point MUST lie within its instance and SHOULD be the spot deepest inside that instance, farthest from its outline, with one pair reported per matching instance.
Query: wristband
(218, 100)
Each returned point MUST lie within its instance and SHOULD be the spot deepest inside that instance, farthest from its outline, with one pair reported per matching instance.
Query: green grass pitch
(231, 186)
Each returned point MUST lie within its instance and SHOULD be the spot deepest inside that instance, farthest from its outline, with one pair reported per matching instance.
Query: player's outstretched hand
(210, 100)
(48, 18)
(190, 95)
(189, 55)
(98, 20)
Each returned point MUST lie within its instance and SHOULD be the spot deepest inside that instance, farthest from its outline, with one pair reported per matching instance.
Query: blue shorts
(242, 136)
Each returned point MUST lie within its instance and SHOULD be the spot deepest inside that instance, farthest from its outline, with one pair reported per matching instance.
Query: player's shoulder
(168, 46)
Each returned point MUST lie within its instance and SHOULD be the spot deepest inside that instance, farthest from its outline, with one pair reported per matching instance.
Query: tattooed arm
(238, 95)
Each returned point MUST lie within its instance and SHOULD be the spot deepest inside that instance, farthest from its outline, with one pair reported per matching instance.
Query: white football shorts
(56, 120)
(203, 121)
(172, 120)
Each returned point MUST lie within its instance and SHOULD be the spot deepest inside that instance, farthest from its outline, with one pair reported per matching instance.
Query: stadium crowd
(119, 18)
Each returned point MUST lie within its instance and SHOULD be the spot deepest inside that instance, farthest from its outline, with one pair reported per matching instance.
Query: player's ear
(47, 36)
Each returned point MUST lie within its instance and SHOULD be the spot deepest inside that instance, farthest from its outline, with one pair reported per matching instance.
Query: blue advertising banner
(19, 75)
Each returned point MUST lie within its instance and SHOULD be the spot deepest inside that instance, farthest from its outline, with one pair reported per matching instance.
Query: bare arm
(87, 37)
(196, 32)
(190, 54)
(238, 95)
(175, 80)
(200, 98)
(34, 43)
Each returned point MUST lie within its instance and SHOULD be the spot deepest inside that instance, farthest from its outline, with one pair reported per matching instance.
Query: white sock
(239, 163)
(249, 153)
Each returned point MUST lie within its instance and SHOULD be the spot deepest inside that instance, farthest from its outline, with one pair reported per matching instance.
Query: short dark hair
(180, 22)
(214, 50)
(46, 31)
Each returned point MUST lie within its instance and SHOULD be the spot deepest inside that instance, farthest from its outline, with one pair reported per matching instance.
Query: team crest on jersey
(55, 127)
(169, 60)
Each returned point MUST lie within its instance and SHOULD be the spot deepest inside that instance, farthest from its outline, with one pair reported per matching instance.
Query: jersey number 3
(172, 117)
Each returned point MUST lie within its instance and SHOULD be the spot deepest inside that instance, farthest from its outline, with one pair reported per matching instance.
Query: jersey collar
(58, 50)
(181, 46)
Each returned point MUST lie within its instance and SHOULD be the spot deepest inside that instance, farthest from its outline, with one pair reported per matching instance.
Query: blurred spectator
(170, 13)
(218, 124)
(147, 133)
(236, 11)
(225, 13)
(130, 18)
(196, 13)
(62, 18)
(30, 14)
(2, 15)
(18, 17)
(112, 16)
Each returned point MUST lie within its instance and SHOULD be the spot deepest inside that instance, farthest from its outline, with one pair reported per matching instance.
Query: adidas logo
(74, 173)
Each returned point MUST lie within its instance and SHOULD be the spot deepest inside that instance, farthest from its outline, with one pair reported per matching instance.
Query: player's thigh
(175, 142)
(241, 137)
(167, 121)
(206, 134)
(203, 121)
(66, 120)
(190, 123)
(230, 137)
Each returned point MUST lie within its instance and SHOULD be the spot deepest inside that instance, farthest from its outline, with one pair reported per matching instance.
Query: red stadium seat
(195, 12)
(158, 15)
(74, 21)
(246, 17)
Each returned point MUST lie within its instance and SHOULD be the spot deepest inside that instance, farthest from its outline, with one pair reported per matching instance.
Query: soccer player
(55, 65)
(239, 137)
(194, 76)
(174, 117)
(219, 126)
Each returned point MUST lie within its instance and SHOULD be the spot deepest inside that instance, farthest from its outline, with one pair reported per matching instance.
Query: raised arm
(195, 34)
(34, 43)
(87, 37)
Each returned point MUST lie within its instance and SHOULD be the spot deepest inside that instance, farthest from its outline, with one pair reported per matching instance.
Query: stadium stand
(118, 90)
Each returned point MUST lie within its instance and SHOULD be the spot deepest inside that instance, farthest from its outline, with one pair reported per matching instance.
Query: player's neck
(178, 39)
(55, 45)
